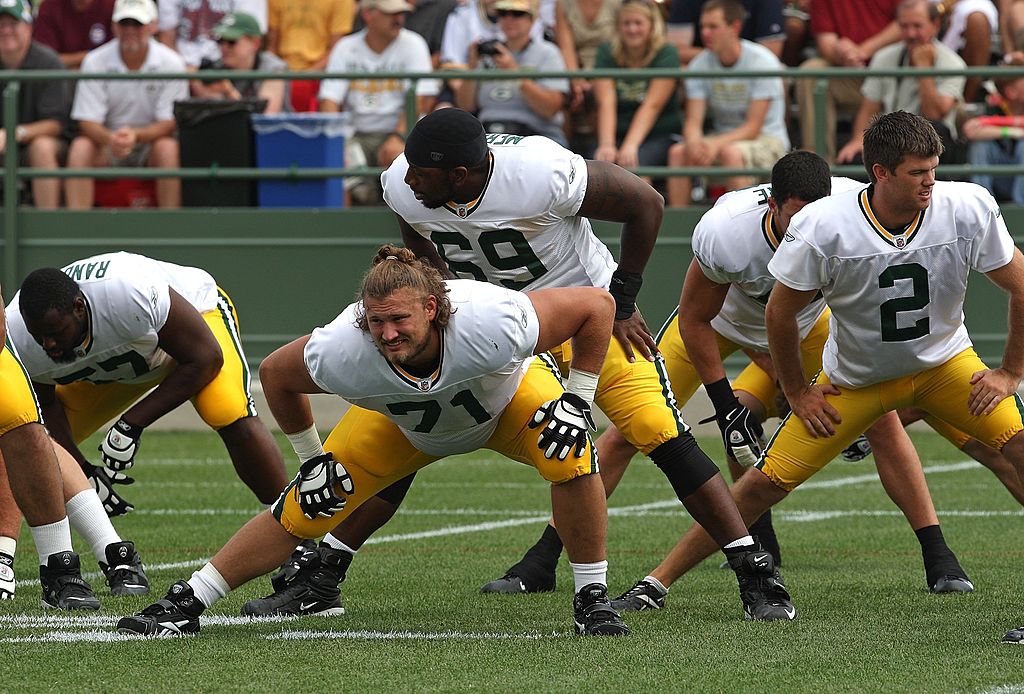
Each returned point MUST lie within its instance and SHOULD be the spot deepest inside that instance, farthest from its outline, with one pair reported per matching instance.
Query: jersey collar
(771, 235)
(899, 239)
(85, 347)
(464, 209)
(421, 383)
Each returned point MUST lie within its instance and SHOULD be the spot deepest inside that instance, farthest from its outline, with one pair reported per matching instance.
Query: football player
(892, 262)
(515, 211)
(432, 368)
(123, 336)
(721, 311)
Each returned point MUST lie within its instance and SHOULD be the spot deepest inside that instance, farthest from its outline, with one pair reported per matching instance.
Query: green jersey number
(489, 242)
(431, 410)
(133, 359)
(891, 308)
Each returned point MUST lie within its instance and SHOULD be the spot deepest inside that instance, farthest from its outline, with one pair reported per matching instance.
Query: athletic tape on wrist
(306, 443)
(583, 384)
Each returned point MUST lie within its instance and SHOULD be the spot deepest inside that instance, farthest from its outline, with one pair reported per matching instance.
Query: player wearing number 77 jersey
(892, 263)
(124, 336)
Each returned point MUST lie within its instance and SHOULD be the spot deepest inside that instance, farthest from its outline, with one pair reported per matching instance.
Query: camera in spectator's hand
(488, 47)
(207, 64)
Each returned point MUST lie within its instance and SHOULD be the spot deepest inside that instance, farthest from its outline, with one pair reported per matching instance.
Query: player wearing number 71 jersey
(892, 262)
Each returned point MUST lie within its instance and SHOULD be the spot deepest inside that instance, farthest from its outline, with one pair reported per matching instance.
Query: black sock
(939, 559)
(543, 556)
(764, 533)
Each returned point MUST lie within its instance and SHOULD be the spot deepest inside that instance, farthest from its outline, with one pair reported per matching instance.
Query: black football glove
(568, 420)
(742, 434)
(858, 450)
(103, 481)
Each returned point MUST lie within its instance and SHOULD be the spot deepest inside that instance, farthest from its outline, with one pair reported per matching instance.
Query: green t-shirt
(630, 93)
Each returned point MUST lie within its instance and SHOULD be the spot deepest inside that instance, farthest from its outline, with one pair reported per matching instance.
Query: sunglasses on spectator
(131, 23)
(227, 42)
(513, 13)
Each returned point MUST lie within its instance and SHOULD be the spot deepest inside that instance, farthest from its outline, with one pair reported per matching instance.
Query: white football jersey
(485, 352)
(523, 231)
(733, 243)
(127, 300)
(896, 298)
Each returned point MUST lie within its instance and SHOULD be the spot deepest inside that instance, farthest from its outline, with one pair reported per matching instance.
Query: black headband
(445, 139)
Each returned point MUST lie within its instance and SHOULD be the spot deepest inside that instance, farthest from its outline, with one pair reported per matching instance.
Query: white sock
(585, 574)
(8, 545)
(87, 517)
(51, 539)
(332, 541)
(656, 583)
(745, 541)
(208, 585)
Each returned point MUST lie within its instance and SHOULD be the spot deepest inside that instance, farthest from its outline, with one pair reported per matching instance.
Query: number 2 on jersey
(889, 309)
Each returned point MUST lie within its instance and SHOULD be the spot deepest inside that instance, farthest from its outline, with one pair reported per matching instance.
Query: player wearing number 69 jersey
(124, 336)
(892, 263)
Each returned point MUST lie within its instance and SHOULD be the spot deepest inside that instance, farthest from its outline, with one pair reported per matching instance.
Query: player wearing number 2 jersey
(892, 262)
(99, 335)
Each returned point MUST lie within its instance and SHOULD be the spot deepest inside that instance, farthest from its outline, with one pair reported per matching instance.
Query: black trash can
(216, 131)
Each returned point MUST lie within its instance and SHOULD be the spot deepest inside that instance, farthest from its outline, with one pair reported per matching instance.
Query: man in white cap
(127, 122)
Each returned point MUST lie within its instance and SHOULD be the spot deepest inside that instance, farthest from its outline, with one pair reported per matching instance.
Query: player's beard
(443, 196)
(412, 352)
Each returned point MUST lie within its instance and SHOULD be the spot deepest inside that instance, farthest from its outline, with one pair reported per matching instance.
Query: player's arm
(57, 421)
(188, 340)
(699, 303)
(992, 386)
(3, 324)
(287, 385)
(423, 248)
(807, 401)
(585, 315)
(616, 195)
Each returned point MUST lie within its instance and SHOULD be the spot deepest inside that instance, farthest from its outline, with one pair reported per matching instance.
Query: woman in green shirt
(637, 118)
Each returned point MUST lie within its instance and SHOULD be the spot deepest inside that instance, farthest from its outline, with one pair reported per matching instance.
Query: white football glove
(315, 486)
(121, 444)
(568, 420)
(103, 481)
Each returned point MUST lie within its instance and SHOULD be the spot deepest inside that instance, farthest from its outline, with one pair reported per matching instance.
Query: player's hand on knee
(568, 420)
(103, 481)
(633, 332)
(814, 410)
(316, 486)
(990, 387)
(120, 445)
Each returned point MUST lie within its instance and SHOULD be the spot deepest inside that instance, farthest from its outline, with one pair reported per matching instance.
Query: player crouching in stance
(432, 368)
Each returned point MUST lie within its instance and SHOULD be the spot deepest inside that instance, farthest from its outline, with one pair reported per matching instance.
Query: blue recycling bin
(302, 140)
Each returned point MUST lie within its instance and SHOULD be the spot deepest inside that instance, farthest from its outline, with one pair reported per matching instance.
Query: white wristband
(306, 443)
(583, 384)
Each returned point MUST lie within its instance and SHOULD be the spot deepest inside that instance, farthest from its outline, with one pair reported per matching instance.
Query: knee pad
(685, 465)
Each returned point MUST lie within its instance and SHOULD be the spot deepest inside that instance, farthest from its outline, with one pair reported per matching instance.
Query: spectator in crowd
(1011, 26)
(472, 22)
(427, 18)
(969, 29)
(239, 37)
(935, 98)
(847, 33)
(127, 123)
(747, 114)
(377, 106)
(185, 25)
(637, 118)
(796, 22)
(763, 24)
(42, 106)
(581, 26)
(517, 105)
(303, 32)
(74, 27)
(990, 143)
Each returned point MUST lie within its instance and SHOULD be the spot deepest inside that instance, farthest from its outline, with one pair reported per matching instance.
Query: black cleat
(944, 573)
(642, 596)
(1014, 636)
(304, 556)
(513, 583)
(312, 591)
(123, 570)
(952, 584)
(762, 591)
(594, 614)
(63, 585)
(177, 614)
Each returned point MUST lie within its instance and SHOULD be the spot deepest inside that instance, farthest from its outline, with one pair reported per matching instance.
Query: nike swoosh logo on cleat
(791, 612)
(306, 606)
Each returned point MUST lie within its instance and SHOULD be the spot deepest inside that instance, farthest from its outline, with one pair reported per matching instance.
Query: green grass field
(415, 620)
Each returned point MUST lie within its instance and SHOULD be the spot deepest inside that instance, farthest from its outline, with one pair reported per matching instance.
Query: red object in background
(1002, 121)
(125, 192)
(303, 95)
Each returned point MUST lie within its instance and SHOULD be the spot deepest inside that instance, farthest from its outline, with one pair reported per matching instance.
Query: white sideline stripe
(364, 635)
(1004, 689)
(109, 620)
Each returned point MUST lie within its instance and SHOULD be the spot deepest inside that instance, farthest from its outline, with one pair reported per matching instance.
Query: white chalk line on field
(1004, 689)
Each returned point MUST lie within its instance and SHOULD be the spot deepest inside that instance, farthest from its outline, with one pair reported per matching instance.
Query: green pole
(10, 122)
